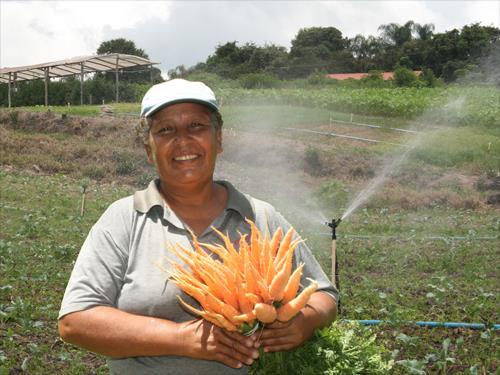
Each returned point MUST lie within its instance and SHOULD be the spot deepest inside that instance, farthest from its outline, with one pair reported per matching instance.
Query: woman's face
(183, 144)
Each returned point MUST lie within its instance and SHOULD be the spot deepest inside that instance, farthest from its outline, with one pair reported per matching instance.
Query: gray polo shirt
(122, 264)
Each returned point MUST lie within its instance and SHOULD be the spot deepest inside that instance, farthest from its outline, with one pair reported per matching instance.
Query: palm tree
(424, 32)
(396, 34)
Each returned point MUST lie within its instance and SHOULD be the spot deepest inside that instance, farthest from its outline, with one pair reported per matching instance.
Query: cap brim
(157, 108)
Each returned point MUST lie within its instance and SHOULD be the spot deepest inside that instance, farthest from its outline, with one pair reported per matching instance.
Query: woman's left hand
(278, 336)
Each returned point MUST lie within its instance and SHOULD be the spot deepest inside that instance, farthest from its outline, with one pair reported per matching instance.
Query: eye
(197, 126)
(165, 129)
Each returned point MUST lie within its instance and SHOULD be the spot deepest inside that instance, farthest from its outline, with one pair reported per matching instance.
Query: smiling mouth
(185, 157)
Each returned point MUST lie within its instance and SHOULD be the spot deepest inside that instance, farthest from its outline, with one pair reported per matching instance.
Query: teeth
(185, 157)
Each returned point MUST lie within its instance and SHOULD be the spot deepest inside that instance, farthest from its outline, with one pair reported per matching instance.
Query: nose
(181, 135)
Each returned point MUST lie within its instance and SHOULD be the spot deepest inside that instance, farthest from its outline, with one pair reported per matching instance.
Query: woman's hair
(142, 128)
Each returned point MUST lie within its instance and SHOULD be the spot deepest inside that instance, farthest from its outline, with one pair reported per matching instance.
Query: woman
(119, 303)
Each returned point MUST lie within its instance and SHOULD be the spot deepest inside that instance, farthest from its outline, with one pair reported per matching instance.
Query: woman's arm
(114, 333)
(320, 311)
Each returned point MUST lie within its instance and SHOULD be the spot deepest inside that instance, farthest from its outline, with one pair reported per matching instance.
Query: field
(424, 246)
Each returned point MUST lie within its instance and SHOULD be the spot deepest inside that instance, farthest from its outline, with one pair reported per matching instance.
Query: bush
(212, 80)
(313, 163)
(125, 162)
(320, 78)
(404, 77)
(428, 78)
(258, 81)
(338, 349)
(374, 79)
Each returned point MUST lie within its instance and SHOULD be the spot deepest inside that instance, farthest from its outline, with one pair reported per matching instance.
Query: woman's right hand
(203, 340)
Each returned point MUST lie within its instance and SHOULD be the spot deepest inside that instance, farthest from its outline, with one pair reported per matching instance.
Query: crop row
(470, 106)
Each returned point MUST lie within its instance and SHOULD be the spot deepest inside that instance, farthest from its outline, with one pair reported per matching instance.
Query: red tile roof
(385, 75)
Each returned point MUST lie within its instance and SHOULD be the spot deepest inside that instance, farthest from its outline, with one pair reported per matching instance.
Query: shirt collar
(145, 200)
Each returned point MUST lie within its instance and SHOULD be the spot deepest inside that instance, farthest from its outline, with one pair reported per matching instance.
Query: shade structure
(74, 66)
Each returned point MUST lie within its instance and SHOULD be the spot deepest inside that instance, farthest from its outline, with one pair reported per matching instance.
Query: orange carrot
(265, 313)
(275, 242)
(253, 298)
(247, 317)
(277, 287)
(292, 285)
(290, 309)
(284, 245)
(244, 303)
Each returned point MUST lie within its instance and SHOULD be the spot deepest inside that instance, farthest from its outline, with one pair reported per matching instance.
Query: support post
(151, 73)
(117, 80)
(81, 84)
(9, 94)
(46, 87)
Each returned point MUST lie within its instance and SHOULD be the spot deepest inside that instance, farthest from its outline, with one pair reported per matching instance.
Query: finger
(276, 341)
(245, 351)
(270, 333)
(233, 352)
(277, 324)
(247, 341)
(278, 348)
(228, 360)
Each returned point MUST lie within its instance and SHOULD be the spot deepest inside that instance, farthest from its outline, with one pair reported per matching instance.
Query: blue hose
(374, 322)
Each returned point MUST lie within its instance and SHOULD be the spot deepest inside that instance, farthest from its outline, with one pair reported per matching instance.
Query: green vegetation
(339, 349)
(425, 247)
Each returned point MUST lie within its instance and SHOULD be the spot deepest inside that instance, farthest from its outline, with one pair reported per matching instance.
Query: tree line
(472, 51)
(448, 55)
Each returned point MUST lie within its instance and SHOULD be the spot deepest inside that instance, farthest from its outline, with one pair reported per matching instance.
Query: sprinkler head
(334, 224)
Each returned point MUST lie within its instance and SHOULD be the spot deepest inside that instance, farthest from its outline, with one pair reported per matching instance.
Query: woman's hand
(278, 336)
(203, 340)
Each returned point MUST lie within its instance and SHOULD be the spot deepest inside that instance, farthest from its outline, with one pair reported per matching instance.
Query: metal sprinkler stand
(335, 276)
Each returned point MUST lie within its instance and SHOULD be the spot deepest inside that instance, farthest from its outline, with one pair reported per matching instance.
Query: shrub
(313, 164)
(320, 78)
(404, 77)
(94, 172)
(125, 162)
(258, 81)
(428, 78)
(338, 349)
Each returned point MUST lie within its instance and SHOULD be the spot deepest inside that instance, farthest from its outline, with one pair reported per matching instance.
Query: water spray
(335, 276)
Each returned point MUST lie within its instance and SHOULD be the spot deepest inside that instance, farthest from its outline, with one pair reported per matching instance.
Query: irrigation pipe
(376, 126)
(431, 238)
(345, 136)
(374, 322)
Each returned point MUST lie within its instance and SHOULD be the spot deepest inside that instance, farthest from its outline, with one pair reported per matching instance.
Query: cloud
(187, 32)
(39, 31)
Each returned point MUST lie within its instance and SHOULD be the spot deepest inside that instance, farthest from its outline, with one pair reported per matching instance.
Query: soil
(257, 162)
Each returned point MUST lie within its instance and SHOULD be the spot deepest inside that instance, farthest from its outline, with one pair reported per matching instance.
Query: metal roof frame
(70, 67)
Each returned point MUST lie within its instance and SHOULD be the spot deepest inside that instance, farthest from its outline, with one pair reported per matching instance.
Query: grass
(391, 266)
(398, 279)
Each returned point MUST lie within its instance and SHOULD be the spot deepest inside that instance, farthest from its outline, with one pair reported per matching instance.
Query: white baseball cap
(177, 91)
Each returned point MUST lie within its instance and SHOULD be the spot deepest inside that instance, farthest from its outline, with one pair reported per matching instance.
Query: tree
(404, 77)
(365, 52)
(138, 74)
(318, 48)
(120, 45)
(396, 34)
(232, 61)
(424, 32)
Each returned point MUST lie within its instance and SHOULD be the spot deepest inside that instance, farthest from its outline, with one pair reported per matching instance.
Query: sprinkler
(335, 276)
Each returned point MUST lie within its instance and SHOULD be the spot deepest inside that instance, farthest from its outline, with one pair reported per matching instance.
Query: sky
(187, 32)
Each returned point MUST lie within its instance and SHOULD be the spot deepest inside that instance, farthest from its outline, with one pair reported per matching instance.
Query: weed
(312, 161)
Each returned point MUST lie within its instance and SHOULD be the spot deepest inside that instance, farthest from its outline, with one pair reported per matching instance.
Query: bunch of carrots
(243, 288)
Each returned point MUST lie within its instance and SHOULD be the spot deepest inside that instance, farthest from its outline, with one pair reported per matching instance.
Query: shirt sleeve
(266, 215)
(97, 276)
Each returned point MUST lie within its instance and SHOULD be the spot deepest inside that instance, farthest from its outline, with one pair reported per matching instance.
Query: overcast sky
(186, 32)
